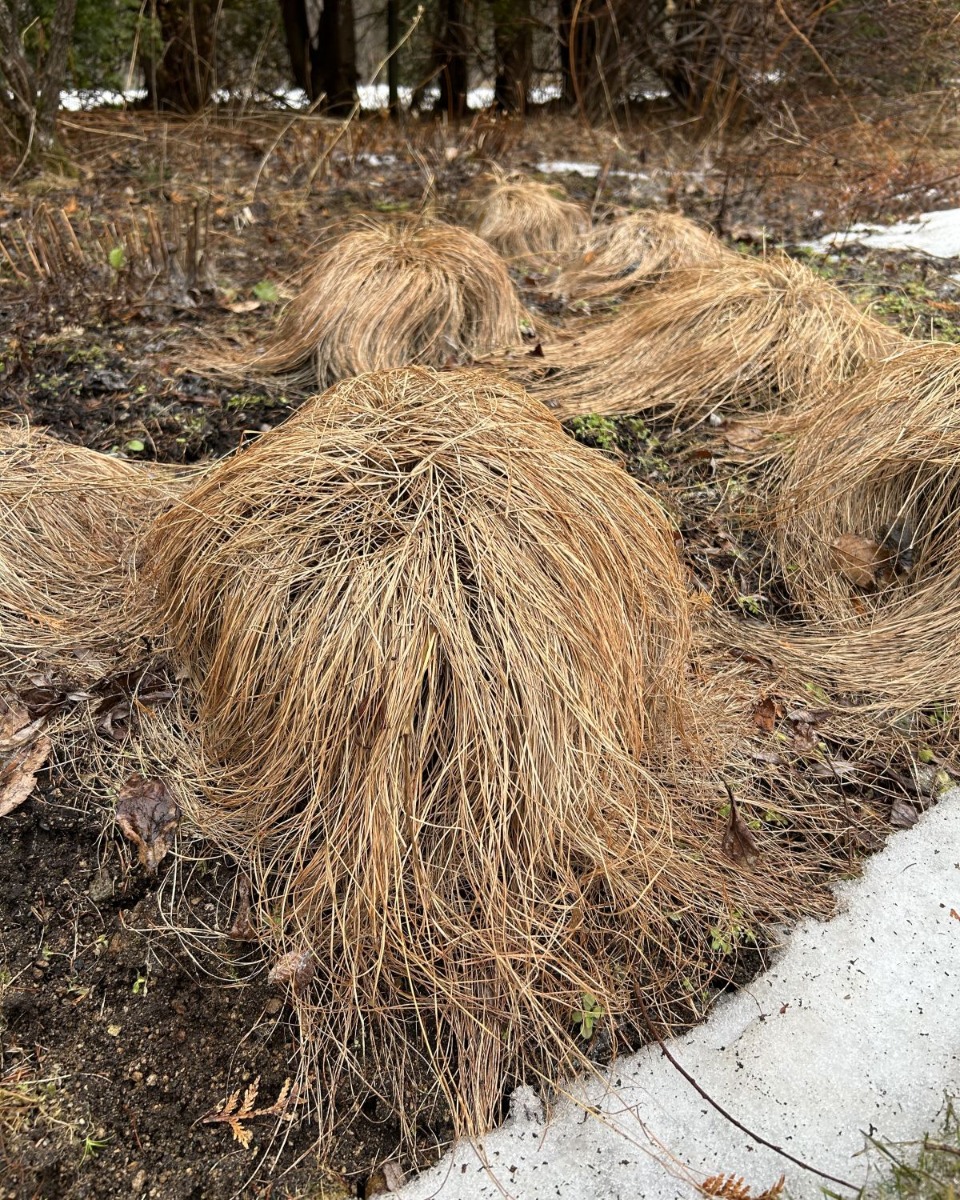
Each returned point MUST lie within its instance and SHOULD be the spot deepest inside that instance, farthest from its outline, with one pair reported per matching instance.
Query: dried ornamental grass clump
(438, 651)
(393, 294)
(631, 249)
(751, 334)
(867, 526)
(525, 220)
(69, 522)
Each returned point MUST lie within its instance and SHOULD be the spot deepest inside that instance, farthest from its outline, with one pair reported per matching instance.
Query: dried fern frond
(629, 250)
(69, 523)
(751, 334)
(525, 220)
(391, 294)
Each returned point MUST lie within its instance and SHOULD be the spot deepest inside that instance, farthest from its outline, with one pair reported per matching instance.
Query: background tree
(451, 51)
(590, 42)
(321, 38)
(513, 52)
(179, 71)
(33, 67)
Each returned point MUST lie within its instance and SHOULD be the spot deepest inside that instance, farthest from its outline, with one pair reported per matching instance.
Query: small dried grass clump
(438, 650)
(393, 294)
(69, 521)
(525, 220)
(867, 526)
(745, 335)
(631, 249)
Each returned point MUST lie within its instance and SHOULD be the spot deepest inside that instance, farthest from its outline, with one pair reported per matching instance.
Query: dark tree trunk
(577, 31)
(180, 78)
(451, 57)
(589, 53)
(323, 53)
(31, 90)
(513, 45)
(393, 62)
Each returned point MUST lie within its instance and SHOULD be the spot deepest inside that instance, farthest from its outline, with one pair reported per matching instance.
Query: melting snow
(934, 233)
(851, 1033)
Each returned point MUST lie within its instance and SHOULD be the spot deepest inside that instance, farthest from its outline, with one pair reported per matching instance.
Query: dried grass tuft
(525, 220)
(632, 249)
(752, 334)
(867, 527)
(69, 521)
(392, 294)
(439, 654)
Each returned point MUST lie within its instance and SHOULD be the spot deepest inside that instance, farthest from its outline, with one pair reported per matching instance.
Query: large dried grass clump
(438, 650)
(867, 527)
(69, 522)
(629, 250)
(524, 220)
(749, 334)
(393, 294)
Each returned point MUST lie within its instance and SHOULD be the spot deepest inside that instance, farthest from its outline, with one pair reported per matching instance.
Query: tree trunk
(31, 91)
(450, 54)
(590, 68)
(513, 45)
(180, 78)
(393, 60)
(323, 52)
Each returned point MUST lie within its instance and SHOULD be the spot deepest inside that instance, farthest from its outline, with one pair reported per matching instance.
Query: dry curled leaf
(858, 559)
(903, 814)
(766, 712)
(296, 967)
(148, 815)
(18, 774)
(739, 435)
(242, 928)
(18, 726)
(738, 844)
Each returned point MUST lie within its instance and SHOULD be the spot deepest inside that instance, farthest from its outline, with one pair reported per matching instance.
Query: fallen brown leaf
(765, 713)
(738, 842)
(148, 815)
(296, 967)
(17, 727)
(902, 814)
(18, 776)
(858, 559)
(741, 436)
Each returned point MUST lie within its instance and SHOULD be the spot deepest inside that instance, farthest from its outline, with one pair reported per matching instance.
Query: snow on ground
(851, 1033)
(372, 97)
(934, 233)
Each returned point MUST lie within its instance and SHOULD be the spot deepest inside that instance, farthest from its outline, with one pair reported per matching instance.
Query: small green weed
(587, 1015)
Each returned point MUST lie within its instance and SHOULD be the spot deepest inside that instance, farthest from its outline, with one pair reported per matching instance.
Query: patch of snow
(851, 1033)
(586, 169)
(79, 100)
(933, 233)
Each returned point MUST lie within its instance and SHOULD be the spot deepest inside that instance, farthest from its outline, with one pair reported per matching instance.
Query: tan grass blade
(874, 469)
(753, 334)
(525, 220)
(438, 650)
(69, 522)
(630, 250)
(392, 294)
